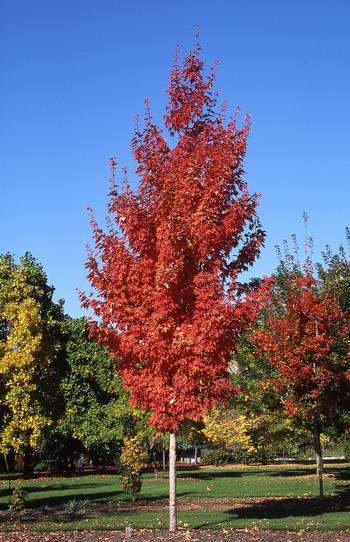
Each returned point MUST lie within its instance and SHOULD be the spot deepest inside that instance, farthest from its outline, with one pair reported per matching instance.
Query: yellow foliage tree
(227, 429)
(20, 361)
(132, 461)
(28, 345)
(253, 433)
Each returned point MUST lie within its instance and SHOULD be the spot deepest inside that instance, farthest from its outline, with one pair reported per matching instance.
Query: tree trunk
(164, 458)
(8, 472)
(27, 462)
(195, 455)
(172, 483)
(154, 461)
(319, 459)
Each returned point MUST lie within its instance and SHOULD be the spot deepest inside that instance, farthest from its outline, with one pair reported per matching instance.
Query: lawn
(276, 497)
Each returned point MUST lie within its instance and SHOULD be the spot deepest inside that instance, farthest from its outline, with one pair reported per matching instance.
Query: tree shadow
(293, 472)
(43, 496)
(205, 476)
(61, 487)
(341, 473)
(270, 509)
(60, 500)
(51, 500)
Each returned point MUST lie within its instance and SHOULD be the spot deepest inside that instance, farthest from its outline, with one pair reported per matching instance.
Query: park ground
(241, 503)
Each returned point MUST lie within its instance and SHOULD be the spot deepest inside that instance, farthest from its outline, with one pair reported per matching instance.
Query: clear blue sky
(75, 72)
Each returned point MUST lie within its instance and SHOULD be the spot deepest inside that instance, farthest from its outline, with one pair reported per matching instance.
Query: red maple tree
(165, 272)
(168, 299)
(304, 337)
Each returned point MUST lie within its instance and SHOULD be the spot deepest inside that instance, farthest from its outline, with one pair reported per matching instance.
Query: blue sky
(75, 73)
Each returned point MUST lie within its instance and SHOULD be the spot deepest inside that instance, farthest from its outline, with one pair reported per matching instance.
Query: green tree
(268, 427)
(96, 413)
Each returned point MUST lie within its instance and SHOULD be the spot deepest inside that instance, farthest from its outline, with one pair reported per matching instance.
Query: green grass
(301, 509)
(327, 521)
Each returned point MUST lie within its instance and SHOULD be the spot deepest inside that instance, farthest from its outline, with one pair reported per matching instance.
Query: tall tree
(28, 348)
(96, 413)
(304, 336)
(165, 274)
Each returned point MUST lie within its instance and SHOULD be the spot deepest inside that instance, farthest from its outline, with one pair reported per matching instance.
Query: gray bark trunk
(172, 483)
(319, 459)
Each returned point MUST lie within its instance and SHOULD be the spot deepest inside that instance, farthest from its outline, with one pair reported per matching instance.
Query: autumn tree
(226, 429)
(165, 272)
(132, 460)
(29, 344)
(304, 337)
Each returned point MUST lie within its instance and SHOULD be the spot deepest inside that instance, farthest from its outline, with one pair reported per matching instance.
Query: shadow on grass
(60, 500)
(67, 493)
(43, 496)
(254, 471)
(341, 474)
(288, 473)
(205, 476)
(61, 487)
(97, 471)
(274, 509)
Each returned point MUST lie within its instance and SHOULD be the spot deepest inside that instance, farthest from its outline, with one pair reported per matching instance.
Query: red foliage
(304, 340)
(167, 297)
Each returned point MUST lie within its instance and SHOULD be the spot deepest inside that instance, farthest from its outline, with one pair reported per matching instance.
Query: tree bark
(154, 461)
(172, 483)
(164, 458)
(319, 459)
(27, 462)
(8, 471)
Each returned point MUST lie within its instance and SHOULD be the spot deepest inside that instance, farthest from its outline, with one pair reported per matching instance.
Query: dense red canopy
(164, 274)
(306, 340)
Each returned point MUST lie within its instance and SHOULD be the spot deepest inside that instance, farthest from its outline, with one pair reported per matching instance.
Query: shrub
(216, 457)
(17, 500)
(132, 460)
(18, 468)
(346, 449)
(220, 457)
(77, 506)
(265, 457)
(41, 467)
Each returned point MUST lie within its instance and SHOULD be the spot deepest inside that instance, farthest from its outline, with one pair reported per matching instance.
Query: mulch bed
(179, 536)
(230, 505)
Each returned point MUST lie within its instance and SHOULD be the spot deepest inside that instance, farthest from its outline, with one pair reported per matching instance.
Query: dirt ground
(227, 505)
(179, 536)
